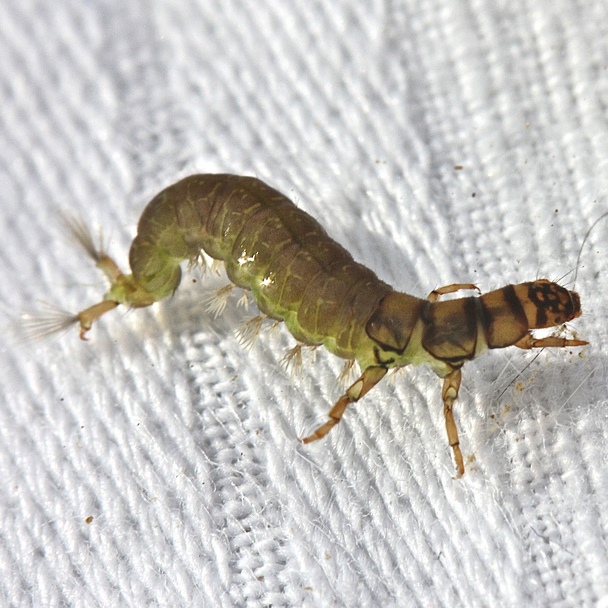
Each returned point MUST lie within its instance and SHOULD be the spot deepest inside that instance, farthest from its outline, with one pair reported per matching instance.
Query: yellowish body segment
(299, 275)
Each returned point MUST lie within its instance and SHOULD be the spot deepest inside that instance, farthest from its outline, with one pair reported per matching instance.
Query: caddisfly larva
(299, 275)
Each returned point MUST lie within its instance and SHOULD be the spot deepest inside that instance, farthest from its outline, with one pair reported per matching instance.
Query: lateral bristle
(248, 333)
(82, 236)
(347, 375)
(244, 300)
(292, 361)
(217, 266)
(48, 321)
(199, 262)
(216, 301)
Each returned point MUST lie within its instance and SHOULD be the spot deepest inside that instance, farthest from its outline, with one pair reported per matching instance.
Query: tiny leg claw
(87, 316)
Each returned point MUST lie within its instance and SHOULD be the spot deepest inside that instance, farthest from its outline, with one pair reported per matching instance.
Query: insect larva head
(547, 304)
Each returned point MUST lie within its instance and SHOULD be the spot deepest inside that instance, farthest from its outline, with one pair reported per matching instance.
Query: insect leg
(110, 268)
(451, 384)
(441, 291)
(368, 379)
(88, 315)
(529, 341)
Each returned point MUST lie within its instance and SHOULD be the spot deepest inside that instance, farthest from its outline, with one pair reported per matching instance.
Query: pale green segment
(296, 272)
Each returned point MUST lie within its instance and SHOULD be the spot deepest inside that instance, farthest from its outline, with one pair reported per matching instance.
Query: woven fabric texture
(440, 142)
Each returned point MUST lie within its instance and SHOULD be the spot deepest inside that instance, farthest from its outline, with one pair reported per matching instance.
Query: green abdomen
(296, 272)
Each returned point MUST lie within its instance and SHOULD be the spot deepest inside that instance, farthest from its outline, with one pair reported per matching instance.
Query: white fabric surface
(180, 443)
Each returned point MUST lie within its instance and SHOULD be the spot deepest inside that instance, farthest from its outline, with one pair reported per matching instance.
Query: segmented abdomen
(296, 272)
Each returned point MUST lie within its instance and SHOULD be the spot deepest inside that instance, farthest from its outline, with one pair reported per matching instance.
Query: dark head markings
(551, 298)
